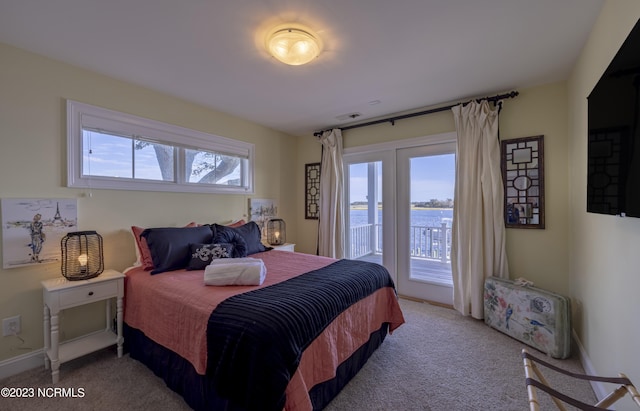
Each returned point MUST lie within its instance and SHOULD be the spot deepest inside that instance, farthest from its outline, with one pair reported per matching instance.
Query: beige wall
(33, 165)
(604, 251)
(541, 255)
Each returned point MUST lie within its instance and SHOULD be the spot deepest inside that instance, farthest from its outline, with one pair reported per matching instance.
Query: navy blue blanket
(255, 340)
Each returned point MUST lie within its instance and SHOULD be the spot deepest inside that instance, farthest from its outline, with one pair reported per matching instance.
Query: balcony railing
(432, 243)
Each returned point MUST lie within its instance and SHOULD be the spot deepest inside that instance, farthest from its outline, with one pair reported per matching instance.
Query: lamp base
(81, 276)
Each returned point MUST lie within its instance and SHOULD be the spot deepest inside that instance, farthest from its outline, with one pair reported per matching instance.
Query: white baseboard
(598, 387)
(21, 363)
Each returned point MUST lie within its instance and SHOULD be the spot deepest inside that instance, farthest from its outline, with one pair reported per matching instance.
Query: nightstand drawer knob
(90, 293)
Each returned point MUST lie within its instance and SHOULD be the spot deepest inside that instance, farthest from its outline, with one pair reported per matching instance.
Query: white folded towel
(235, 271)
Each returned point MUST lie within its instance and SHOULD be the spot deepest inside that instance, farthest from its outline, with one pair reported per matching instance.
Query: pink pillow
(143, 249)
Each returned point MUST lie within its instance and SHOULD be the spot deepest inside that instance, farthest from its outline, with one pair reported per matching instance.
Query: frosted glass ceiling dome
(293, 44)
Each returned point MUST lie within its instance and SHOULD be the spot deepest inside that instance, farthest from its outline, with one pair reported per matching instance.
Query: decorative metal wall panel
(523, 176)
(312, 191)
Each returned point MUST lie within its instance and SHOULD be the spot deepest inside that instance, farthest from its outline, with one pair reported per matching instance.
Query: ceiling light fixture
(293, 44)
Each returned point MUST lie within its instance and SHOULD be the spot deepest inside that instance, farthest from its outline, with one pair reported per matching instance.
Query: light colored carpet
(438, 360)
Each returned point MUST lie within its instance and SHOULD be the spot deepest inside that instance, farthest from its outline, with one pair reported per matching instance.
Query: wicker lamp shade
(82, 256)
(276, 231)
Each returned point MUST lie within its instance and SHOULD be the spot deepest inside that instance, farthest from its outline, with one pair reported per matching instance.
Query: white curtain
(478, 232)
(331, 235)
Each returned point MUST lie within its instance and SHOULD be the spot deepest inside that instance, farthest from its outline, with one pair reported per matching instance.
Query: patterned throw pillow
(203, 254)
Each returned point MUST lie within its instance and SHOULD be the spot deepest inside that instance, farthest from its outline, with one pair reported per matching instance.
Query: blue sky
(432, 177)
(113, 156)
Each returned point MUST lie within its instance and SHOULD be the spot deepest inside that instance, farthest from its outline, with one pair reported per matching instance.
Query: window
(108, 149)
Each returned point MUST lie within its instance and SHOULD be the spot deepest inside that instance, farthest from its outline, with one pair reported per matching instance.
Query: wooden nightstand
(284, 247)
(59, 294)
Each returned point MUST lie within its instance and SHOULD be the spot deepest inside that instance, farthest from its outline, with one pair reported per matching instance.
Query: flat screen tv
(613, 180)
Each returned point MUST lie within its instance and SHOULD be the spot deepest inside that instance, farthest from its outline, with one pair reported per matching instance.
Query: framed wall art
(312, 191)
(523, 177)
(32, 229)
(261, 211)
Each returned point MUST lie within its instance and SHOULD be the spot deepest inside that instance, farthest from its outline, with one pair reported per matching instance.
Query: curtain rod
(392, 120)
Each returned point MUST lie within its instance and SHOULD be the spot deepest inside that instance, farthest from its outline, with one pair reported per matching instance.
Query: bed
(292, 342)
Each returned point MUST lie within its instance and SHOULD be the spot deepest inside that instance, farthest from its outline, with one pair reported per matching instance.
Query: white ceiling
(403, 54)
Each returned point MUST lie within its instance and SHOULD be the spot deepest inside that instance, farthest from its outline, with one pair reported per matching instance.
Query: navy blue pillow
(171, 247)
(250, 232)
(203, 254)
(231, 237)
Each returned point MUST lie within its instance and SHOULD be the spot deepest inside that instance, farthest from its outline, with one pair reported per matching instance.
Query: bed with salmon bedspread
(291, 343)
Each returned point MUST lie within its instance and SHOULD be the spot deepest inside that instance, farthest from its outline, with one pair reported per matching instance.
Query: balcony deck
(422, 269)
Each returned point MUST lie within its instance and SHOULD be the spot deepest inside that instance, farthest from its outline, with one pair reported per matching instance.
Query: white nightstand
(59, 294)
(284, 247)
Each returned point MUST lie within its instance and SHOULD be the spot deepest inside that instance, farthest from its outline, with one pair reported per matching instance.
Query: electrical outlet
(11, 326)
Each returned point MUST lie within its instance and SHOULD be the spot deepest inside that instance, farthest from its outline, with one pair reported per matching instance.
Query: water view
(421, 217)
(429, 233)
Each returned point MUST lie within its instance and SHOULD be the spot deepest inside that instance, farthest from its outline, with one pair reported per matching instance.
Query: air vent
(350, 116)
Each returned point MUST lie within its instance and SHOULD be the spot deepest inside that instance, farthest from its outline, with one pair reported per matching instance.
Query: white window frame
(82, 116)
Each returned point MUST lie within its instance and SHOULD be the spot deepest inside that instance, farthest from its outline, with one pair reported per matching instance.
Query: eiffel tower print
(57, 219)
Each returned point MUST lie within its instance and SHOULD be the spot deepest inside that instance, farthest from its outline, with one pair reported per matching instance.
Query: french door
(399, 200)
(425, 187)
(370, 208)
